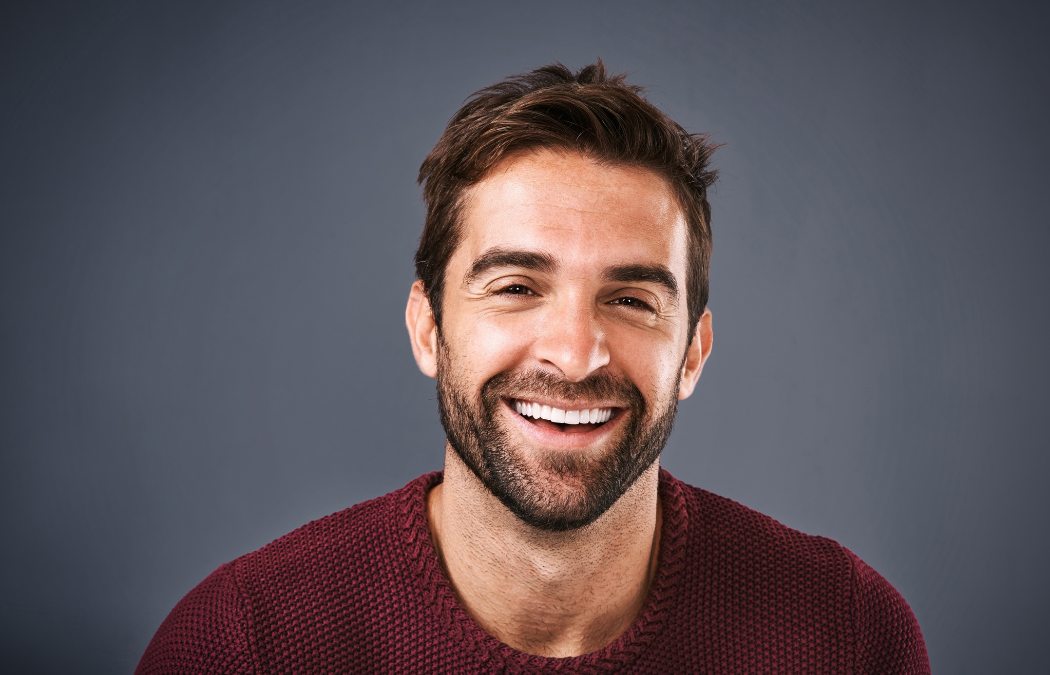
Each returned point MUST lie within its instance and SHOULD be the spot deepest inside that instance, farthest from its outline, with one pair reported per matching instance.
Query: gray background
(208, 215)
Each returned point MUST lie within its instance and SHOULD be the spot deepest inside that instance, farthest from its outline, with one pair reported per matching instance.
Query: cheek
(651, 362)
(485, 347)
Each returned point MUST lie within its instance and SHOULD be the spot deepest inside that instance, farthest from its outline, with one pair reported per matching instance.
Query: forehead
(578, 210)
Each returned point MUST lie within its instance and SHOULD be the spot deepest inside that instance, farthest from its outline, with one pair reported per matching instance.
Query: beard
(556, 491)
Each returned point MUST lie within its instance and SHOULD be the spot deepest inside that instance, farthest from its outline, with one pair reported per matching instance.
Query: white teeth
(560, 416)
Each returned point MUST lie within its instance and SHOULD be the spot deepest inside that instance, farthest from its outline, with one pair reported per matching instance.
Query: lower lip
(552, 439)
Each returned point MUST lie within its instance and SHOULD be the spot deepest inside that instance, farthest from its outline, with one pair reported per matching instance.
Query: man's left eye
(628, 301)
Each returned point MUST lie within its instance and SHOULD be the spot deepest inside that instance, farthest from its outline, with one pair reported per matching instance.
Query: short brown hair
(591, 112)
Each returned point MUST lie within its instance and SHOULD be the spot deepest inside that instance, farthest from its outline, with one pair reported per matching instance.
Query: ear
(422, 329)
(696, 356)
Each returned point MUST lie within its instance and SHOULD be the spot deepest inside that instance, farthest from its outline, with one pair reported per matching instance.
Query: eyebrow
(501, 257)
(657, 274)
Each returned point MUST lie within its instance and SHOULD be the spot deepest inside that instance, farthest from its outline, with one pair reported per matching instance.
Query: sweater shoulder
(207, 632)
(367, 534)
(328, 587)
(889, 639)
(736, 529)
(359, 526)
(330, 582)
(797, 594)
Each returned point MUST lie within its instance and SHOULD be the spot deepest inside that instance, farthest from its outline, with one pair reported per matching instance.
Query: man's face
(563, 346)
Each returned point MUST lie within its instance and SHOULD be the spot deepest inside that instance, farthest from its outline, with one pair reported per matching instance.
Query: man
(561, 305)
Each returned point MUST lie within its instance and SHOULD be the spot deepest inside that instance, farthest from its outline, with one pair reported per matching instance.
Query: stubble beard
(555, 491)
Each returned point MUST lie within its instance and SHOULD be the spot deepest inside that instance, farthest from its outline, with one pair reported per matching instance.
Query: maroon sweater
(362, 591)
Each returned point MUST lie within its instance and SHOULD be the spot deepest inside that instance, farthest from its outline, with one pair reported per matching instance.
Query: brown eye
(516, 289)
(628, 301)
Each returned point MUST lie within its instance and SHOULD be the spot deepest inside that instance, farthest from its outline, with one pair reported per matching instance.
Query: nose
(571, 338)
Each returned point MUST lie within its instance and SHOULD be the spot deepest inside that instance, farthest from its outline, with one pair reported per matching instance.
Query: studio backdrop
(207, 217)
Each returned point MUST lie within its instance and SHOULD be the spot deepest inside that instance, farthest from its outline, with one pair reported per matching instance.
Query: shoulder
(207, 632)
(346, 565)
(806, 593)
(357, 536)
(888, 636)
(721, 526)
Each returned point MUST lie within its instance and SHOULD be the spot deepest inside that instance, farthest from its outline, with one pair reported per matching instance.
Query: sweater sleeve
(888, 640)
(206, 633)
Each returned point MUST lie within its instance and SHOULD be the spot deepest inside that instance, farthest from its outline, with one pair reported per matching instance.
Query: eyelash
(507, 290)
(623, 301)
(635, 303)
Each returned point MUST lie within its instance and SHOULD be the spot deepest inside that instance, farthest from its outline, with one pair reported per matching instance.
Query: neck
(552, 594)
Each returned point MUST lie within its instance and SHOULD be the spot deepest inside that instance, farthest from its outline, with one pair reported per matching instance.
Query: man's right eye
(516, 289)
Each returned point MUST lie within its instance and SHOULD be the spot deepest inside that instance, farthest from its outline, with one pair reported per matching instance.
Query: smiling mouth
(572, 421)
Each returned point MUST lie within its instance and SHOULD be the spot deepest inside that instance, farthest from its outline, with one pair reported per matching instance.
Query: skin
(559, 594)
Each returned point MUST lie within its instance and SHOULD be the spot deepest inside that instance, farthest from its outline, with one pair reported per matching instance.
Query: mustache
(600, 386)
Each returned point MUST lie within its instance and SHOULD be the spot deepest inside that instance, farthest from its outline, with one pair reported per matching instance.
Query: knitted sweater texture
(362, 591)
